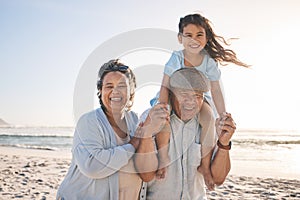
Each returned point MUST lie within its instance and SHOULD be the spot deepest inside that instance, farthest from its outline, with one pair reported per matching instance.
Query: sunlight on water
(265, 153)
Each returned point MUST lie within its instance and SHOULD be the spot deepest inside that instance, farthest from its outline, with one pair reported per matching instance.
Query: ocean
(269, 152)
(46, 138)
(266, 153)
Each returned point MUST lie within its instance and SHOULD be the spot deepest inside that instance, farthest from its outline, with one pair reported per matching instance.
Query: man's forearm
(220, 166)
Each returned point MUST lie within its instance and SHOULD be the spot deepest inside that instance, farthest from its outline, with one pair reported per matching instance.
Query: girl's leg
(207, 140)
(162, 142)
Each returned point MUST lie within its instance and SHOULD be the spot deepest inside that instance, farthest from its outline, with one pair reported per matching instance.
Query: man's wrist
(222, 146)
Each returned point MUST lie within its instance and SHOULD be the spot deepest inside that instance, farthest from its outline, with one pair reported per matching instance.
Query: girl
(202, 50)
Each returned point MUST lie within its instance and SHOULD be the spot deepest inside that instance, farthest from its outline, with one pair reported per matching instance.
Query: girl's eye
(108, 86)
(187, 36)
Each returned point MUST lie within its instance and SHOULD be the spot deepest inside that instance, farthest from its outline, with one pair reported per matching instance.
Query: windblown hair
(213, 47)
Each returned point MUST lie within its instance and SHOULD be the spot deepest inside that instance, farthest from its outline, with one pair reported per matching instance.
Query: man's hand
(225, 127)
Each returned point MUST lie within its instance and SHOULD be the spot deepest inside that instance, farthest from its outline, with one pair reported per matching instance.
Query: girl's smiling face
(193, 38)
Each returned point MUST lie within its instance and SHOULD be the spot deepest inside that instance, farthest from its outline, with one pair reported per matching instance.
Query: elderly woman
(104, 142)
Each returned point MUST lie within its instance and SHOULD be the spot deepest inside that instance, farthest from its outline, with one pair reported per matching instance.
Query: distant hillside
(3, 123)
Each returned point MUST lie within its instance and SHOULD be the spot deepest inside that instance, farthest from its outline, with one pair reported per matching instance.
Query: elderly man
(183, 181)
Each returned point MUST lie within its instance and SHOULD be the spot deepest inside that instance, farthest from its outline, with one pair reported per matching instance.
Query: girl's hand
(225, 127)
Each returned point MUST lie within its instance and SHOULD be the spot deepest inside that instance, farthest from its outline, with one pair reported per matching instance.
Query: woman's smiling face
(115, 92)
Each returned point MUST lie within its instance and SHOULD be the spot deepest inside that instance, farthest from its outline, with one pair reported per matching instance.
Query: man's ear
(179, 37)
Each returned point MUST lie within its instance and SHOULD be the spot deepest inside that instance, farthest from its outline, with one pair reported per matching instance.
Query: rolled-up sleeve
(90, 154)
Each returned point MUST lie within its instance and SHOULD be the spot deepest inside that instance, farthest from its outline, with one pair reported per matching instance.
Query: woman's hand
(157, 117)
(225, 127)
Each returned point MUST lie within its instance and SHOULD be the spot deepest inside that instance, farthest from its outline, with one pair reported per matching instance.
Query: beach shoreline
(36, 174)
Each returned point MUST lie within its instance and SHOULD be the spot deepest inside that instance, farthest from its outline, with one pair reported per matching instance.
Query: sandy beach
(31, 174)
(36, 174)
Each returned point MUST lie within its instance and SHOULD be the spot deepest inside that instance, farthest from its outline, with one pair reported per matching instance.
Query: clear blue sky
(44, 44)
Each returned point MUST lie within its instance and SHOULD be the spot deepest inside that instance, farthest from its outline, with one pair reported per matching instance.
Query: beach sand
(36, 174)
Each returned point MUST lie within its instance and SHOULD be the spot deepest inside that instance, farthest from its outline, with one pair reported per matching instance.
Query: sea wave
(46, 142)
(38, 131)
(48, 148)
(265, 142)
(34, 136)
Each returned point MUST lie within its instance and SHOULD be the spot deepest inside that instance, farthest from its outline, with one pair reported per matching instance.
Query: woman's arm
(146, 162)
(91, 156)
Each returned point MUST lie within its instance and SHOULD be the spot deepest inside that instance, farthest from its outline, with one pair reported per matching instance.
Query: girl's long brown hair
(213, 47)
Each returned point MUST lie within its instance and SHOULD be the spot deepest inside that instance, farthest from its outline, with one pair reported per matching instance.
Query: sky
(45, 45)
